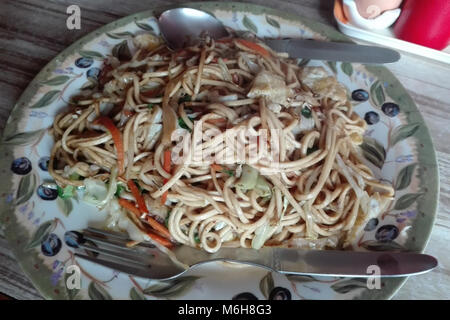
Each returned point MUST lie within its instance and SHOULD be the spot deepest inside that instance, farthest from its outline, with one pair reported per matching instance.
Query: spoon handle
(333, 51)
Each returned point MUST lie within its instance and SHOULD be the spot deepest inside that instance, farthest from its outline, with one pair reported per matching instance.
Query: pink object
(425, 22)
(370, 9)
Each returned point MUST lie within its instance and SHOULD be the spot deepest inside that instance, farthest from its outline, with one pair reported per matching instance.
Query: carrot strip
(254, 46)
(216, 167)
(130, 206)
(161, 240)
(158, 227)
(167, 161)
(167, 168)
(117, 138)
(164, 197)
(137, 195)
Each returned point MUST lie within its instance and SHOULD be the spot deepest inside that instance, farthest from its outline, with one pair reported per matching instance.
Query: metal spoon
(181, 27)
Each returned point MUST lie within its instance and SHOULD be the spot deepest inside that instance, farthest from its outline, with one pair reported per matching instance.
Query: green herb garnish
(74, 176)
(196, 238)
(306, 112)
(119, 189)
(185, 98)
(150, 106)
(166, 221)
(311, 150)
(229, 172)
(66, 192)
(183, 124)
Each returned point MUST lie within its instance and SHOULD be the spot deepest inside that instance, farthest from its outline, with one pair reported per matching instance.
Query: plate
(397, 146)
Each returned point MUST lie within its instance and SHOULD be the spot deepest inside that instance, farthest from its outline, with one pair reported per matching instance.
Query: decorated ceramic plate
(397, 146)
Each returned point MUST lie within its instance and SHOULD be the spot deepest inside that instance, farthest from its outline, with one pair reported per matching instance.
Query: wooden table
(32, 32)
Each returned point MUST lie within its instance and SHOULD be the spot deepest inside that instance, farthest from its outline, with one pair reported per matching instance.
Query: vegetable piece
(167, 161)
(130, 206)
(185, 98)
(306, 112)
(158, 227)
(248, 179)
(183, 124)
(161, 240)
(262, 234)
(169, 119)
(119, 190)
(254, 47)
(218, 167)
(262, 187)
(75, 176)
(166, 221)
(66, 192)
(97, 193)
(117, 138)
(137, 195)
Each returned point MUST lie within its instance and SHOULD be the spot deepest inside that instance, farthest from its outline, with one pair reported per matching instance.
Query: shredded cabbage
(262, 234)
(97, 193)
(248, 179)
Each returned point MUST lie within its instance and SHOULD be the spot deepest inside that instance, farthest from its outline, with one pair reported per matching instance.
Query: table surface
(32, 32)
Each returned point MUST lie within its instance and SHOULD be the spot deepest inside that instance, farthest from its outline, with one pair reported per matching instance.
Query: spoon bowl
(181, 27)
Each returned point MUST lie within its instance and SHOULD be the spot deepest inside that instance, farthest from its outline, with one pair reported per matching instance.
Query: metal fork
(145, 260)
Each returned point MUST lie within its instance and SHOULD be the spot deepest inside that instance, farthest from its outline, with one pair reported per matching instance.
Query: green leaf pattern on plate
(171, 289)
(347, 68)
(65, 206)
(374, 245)
(300, 278)
(402, 132)
(377, 93)
(373, 151)
(406, 200)
(266, 285)
(121, 35)
(24, 138)
(91, 54)
(272, 22)
(135, 294)
(404, 177)
(332, 65)
(26, 188)
(249, 24)
(41, 233)
(56, 81)
(347, 285)
(46, 99)
(144, 26)
(97, 292)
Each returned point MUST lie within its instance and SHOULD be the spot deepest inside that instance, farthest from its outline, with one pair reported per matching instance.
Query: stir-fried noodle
(295, 175)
